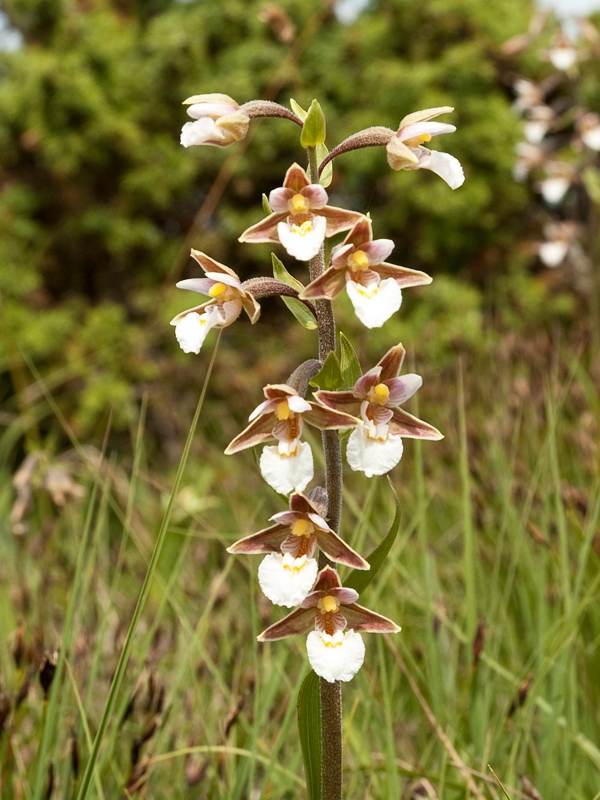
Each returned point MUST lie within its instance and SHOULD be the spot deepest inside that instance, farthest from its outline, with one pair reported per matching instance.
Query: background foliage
(99, 206)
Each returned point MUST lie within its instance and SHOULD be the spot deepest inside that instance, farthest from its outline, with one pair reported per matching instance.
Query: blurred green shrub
(96, 194)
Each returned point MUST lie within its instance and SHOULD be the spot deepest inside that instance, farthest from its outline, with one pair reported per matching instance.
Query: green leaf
(349, 363)
(309, 728)
(297, 307)
(313, 131)
(329, 377)
(327, 174)
(359, 579)
(281, 273)
(301, 312)
(298, 110)
(265, 204)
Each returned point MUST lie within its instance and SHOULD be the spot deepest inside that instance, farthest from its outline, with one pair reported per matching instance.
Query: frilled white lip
(286, 580)
(372, 456)
(337, 657)
(191, 330)
(303, 241)
(374, 304)
(446, 166)
(202, 131)
(288, 473)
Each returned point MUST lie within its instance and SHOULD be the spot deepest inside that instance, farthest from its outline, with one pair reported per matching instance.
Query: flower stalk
(331, 693)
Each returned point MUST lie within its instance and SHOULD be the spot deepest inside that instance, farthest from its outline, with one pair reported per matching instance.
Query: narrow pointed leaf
(360, 579)
(309, 729)
(349, 363)
(281, 273)
(298, 309)
(301, 312)
(327, 174)
(313, 131)
(330, 375)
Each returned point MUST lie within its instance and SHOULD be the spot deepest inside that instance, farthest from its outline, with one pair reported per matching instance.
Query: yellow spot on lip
(302, 230)
(358, 261)
(217, 289)
(379, 394)
(283, 410)
(302, 527)
(329, 604)
(418, 140)
(334, 644)
(296, 567)
(299, 204)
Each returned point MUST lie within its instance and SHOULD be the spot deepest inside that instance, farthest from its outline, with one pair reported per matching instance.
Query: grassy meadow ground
(493, 577)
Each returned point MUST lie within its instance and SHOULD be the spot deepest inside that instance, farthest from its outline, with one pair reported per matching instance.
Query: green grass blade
(126, 651)
(309, 728)
(359, 579)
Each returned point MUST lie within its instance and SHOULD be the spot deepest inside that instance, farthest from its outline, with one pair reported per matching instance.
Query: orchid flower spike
(376, 447)
(228, 298)
(334, 654)
(405, 150)
(288, 572)
(373, 285)
(288, 466)
(301, 218)
(218, 121)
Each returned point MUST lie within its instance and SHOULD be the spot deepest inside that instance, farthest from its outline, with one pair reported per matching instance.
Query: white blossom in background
(405, 150)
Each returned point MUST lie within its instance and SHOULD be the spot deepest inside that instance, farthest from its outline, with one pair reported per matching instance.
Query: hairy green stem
(331, 693)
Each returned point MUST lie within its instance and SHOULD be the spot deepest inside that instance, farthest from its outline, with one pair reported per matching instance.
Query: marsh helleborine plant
(369, 406)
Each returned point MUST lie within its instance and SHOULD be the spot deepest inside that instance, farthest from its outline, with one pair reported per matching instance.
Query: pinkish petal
(337, 550)
(401, 389)
(224, 278)
(279, 199)
(260, 430)
(266, 541)
(377, 251)
(325, 418)
(392, 362)
(403, 276)
(208, 264)
(231, 310)
(201, 285)
(299, 621)
(295, 178)
(361, 619)
(404, 424)
(342, 401)
(339, 254)
(344, 595)
(266, 407)
(316, 195)
(338, 219)
(366, 382)
(427, 128)
(265, 230)
(318, 521)
(329, 285)
(287, 518)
